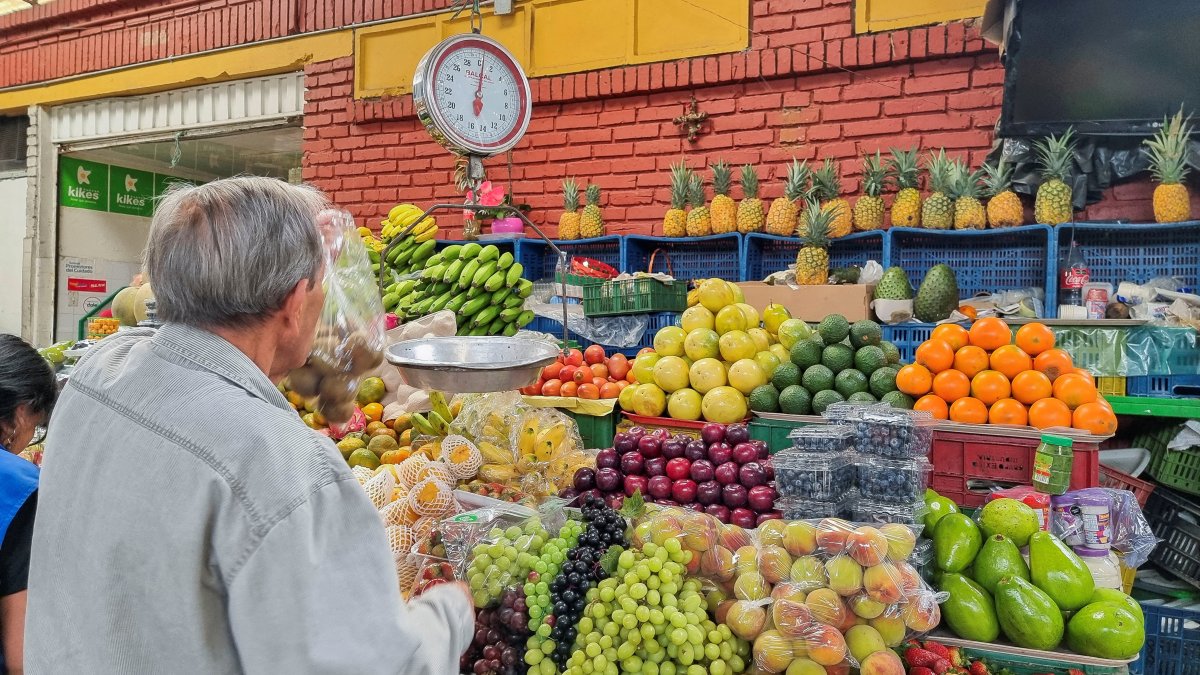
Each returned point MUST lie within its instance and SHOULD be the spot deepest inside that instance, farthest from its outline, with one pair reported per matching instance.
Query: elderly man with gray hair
(188, 521)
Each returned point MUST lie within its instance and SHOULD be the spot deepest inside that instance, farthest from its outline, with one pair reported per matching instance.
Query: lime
(792, 331)
(649, 400)
(696, 317)
(706, 375)
(751, 314)
(671, 373)
(773, 316)
(363, 457)
(669, 341)
(737, 345)
(685, 404)
(762, 339)
(724, 405)
(746, 375)
(371, 390)
(702, 343)
(767, 361)
(729, 319)
(643, 366)
(715, 294)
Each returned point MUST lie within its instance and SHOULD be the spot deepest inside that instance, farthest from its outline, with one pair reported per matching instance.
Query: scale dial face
(472, 95)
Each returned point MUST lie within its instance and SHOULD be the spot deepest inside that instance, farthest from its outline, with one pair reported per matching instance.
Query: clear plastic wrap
(622, 332)
(892, 433)
(350, 334)
(1131, 533)
(893, 481)
(813, 476)
(800, 509)
(827, 439)
(865, 510)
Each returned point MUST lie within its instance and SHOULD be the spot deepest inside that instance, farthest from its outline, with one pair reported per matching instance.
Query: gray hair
(228, 253)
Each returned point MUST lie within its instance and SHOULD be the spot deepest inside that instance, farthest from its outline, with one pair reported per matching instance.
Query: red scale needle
(478, 103)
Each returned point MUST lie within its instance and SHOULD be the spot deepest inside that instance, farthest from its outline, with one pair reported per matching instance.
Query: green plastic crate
(1043, 662)
(1179, 469)
(596, 432)
(774, 432)
(634, 296)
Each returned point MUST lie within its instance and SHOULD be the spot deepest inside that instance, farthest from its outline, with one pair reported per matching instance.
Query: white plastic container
(1105, 567)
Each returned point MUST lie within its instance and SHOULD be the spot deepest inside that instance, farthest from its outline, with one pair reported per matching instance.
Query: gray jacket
(188, 522)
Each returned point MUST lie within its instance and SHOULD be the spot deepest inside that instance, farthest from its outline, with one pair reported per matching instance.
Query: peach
(717, 563)
(825, 645)
(922, 614)
(891, 627)
(865, 606)
(770, 533)
(799, 538)
(805, 666)
(883, 662)
(722, 611)
(791, 618)
(746, 559)
(808, 572)
(751, 587)
(862, 641)
(910, 578)
(831, 535)
(745, 619)
(691, 562)
(849, 620)
(845, 575)
(774, 563)
(772, 652)
(867, 546)
(643, 533)
(901, 541)
(665, 527)
(733, 537)
(842, 668)
(788, 591)
(714, 598)
(826, 606)
(882, 583)
(700, 532)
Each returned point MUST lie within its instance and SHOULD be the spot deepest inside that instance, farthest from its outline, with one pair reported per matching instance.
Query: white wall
(94, 246)
(12, 241)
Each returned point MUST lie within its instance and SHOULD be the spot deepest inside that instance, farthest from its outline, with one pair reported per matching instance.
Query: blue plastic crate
(690, 257)
(539, 260)
(656, 321)
(983, 260)
(1163, 386)
(1172, 642)
(1117, 252)
(907, 337)
(764, 254)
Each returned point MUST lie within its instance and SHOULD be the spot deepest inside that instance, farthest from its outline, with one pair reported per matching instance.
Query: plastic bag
(350, 334)
(1131, 533)
(615, 331)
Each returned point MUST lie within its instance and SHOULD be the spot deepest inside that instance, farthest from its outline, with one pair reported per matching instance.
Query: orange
(1035, 338)
(1101, 401)
(373, 411)
(1086, 375)
(1011, 361)
(936, 355)
(990, 333)
(374, 425)
(935, 405)
(1094, 418)
(1049, 412)
(990, 386)
(1074, 390)
(953, 334)
(969, 410)
(588, 390)
(971, 360)
(1008, 411)
(1053, 362)
(1031, 386)
(968, 311)
(951, 385)
(914, 380)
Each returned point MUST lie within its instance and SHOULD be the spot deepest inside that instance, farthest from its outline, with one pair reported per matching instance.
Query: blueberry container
(893, 434)
(826, 439)
(821, 477)
(811, 509)
(892, 481)
(849, 412)
(922, 555)
(876, 512)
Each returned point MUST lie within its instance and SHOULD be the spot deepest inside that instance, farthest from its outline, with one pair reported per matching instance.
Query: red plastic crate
(961, 457)
(1111, 478)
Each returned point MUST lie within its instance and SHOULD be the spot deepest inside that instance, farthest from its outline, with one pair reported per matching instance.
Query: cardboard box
(813, 303)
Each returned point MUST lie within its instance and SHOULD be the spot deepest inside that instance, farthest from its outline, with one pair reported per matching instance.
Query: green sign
(82, 184)
(130, 192)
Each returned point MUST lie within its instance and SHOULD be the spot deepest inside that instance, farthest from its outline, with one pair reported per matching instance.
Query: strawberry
(956, 657)
(1074, 671)
(942, 666)
(979, 668)
(915, 656)
(937, 648)
(920, 670)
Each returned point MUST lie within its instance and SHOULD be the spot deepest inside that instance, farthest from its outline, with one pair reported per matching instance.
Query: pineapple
(965, 188)
(1004, 207)
(699, 224)
(591, 223)
(937, 213)
(568, 222)
(906, 208)
(868, 210)
(827, 185)
(674, 223)
(812, 262)
(723, 208)
(1052, 205)
(750, 216)
(1168, 152)
(781, 218)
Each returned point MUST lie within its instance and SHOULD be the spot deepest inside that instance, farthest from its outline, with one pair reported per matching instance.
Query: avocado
(865, 332)
(795, 400)
(1056, 569)
(998, 558)
(891, 351)
(817, 378)
(969, 610)
(956, 542)
(898, 399)
(764, 398)
(823, 399)
(838, 357)
(785, 375)
(1106, 630)
(850, 382)
(833, 329)
(883, 381)
(806, 353)
(1028, 617)
(870, 359)
(861, 397)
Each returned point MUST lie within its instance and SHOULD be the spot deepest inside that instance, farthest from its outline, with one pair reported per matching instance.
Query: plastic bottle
(1094, 512)
(1052, 464)
(1073, 275)
(1105, 567)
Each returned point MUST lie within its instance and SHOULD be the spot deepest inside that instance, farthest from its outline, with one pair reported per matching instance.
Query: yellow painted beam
(880, 15)
(251, 61)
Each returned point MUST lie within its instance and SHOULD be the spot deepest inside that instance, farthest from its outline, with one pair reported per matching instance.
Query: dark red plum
(761, 498)
(659, 487)
(712, 433)
(702, 470)
(608, 480)
(744, 453)
(632, 464)
(726, 473)
(737, 433)
(752, 474)
(656, 466)
(733, 495)
(635, 484)
(608, 459)
(744, 518)
(718, 511)
(708, 492)
(585, 479)
(684, 491)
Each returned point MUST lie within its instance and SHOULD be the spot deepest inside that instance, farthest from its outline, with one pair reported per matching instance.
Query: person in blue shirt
(27, 395)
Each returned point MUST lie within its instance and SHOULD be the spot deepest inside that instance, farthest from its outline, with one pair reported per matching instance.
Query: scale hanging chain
(476, 14)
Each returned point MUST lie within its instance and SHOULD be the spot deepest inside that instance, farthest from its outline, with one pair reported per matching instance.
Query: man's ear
(293, 304)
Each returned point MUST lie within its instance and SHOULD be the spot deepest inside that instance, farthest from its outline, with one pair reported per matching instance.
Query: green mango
(998, 558)
(969, 610)
(938, 507)
(956, 542)
(1056, 569)
(1106, 630)
(1028, 617)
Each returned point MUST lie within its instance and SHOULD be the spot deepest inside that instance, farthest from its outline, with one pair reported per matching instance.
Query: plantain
(504, 261)
(456, 302)
(470, 250)
(484, 274)
(525, 318)
(423, 425)
(509, 330)
(453, 271)
(514, 300)
(439, 423)
(525, 288)
(495, 282)
(485, 316)
(489, 252)
(451, 252)
(474, 306)
(468, 273)
(437, 399)
(514, 274)
(497, 326)
(499, 296)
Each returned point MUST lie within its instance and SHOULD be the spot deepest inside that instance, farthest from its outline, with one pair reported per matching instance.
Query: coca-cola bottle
(1074, 273)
